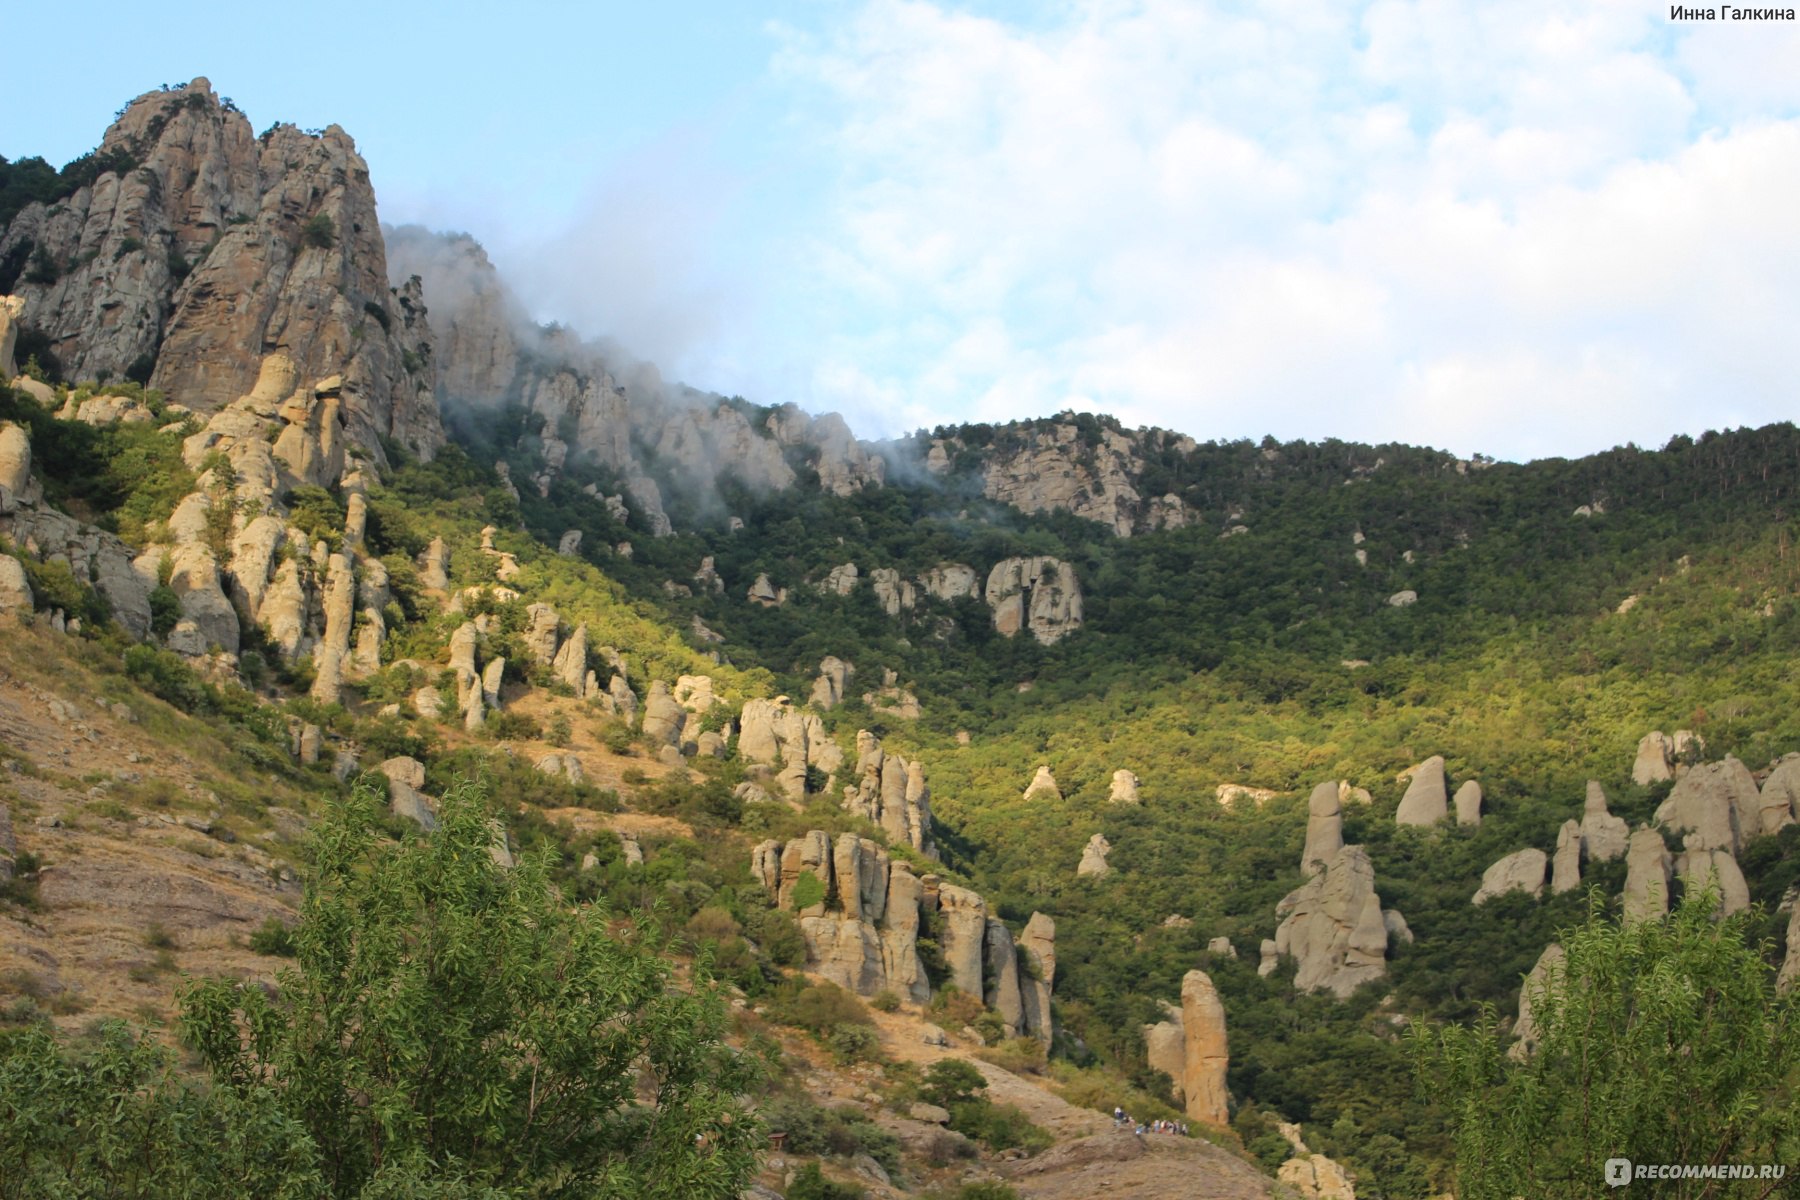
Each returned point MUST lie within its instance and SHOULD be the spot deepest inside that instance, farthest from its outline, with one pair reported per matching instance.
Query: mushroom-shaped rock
(1468, 803)
(1207, 1053)
(1124, 788)
(1324, 827)
(1646, 876)
(1603, 836)
(1426, 801)
(1043, 783)
(1093, 857)
(1520, 871)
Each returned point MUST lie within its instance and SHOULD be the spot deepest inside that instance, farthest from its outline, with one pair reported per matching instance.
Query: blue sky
(1518, 228)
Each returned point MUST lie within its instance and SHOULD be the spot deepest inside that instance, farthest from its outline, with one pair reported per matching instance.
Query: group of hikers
(1122, 1120)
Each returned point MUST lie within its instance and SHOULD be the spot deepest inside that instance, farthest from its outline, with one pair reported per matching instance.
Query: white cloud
(1492, 227)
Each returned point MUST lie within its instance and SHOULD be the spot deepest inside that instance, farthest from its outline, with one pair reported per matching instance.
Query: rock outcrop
(1324, 828)
(1715, 805)
(1545, 974)
(1207, 1054)
(1040, 594)
(892, 793)
(1268, 958)
(1520, 871)
(1468, 803)
(1604, 837)
(205, 247)
(1655, 752)
(1093, 858)
(1565, 864)
(1717, 869)
(1790, 966)
(1037, 946)
(15, 588)
(776, 735)
(1647, 876)
(1332, 926)
(1426, 801)
(1088, 470)
(1043, 784)
(1779, 802)
(833, 683)
(1124, 788)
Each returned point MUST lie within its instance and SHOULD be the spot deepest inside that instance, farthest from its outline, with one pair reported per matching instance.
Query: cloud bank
(1513, 228)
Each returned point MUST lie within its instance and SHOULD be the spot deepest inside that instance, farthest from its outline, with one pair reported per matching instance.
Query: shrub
(273, 938)
(165, 610)
(808, 891)
(854, 1043)
(887, 1000)
(810, 1184)
(819, 1007)
(319, 233)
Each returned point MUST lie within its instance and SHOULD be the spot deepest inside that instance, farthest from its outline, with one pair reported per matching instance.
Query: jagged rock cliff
(205, 248)
(590, 403)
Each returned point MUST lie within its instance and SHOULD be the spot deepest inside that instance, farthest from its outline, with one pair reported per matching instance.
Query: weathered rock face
(1565, 865)
(1468, 803)
(15, 588)
(281, 249)
(833, 683)
(1124, 788)
(1333, 926)
(1165, 1048)
(15, 467)
(892, 793)
(1655, 752)
(950, 581)
(1059, 465)
(965, 936)
(1520, 871)
(1790, 966)
(1040, 594)
(1426, 801)
(1316, 1177)
(1545, 974)
(1324, 828)
(603, 411)
(1268, 958)
(1093, 858)
(1207, 1054)
(1715, 805)
(11, 307)
(1646, 876)
(772, 733)
(1701, 869)
(1043, 784)
(1037, 945)
(893, 593)
(1780, 799)
(663, 718)
(1603, 836)
(1003, 969)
